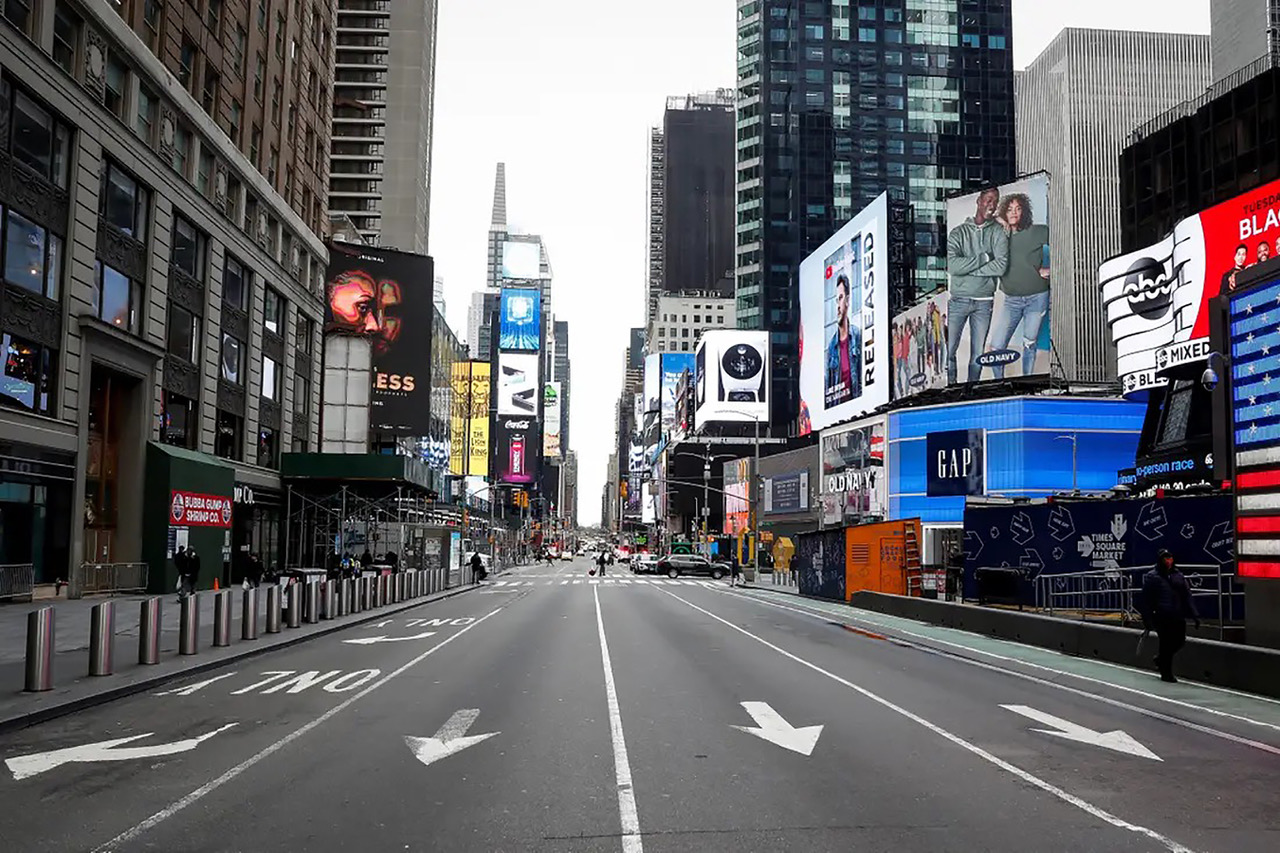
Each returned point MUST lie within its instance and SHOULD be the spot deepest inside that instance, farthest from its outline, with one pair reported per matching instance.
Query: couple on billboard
(999, 249)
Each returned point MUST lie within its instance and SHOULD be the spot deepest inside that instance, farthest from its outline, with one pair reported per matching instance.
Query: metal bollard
(376, 594)
(295, 605)
(249, 614)
(398, 582)
(273, 609)
(384, 590)
(39, 674)
(222, 618)
(344, 598)
(102, 638)
(149, 631)
(189, 625)
(311, 609)
(331, 599)
(417, 583)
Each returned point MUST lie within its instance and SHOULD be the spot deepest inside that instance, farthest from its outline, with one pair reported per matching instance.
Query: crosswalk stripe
(562, 583)
(577, 580)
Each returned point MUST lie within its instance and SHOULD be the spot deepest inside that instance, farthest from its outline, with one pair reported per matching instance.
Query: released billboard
(844, 322)
(731, 377)
(998, 282)
(521, 260)
(920, 347)
(520, 319)
(518, 383)
(551, 420)
(1156, 298)
(386, 296)
(674, 365)
(469, 427)
(516, 459)
(855, 482)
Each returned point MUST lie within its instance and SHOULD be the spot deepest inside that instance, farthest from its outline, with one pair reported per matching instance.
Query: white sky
(564, 92)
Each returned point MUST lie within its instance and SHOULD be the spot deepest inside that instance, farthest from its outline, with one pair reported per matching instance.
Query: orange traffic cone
(215, 584)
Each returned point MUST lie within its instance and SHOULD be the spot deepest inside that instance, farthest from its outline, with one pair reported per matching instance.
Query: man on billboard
(844, 352)
(1025, 283)
(1264, 252)
(977, 255)
(1229, 277)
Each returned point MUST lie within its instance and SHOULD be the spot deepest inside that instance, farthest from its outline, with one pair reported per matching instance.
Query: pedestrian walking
(1166, 607)
(188, 571)
(477, 568)
(255, 571)
(603, 563)
(366, 559)
(735, 571)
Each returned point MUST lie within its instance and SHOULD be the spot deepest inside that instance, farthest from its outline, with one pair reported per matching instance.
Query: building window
(182, 151)
(179, 425)
(188, 249)
(66, 38)
(116, 84)
(306, 331)
(234, 121)
(227, 437)
(234, 191)
(152, 21)
(213, 15)
(232, 359)
(182, 336)
(32, 255)
(238, 54)
(251, 216)
(275, 101)
(148, 109)
(204, 172)
(209, 98)
(37, 139)
(280, 35)
(258, 70)
(187, 63)
(29, 375)
(273, 162)
(288, 184)
(301, 394)
(235, 284)
(273, 312)
(255, 146)
(18, 13)
(270, 379)
(117, 298)
(268, 447)
(262, 15)
(124, 202)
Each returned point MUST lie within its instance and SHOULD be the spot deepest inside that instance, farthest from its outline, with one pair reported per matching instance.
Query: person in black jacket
(1166, 606)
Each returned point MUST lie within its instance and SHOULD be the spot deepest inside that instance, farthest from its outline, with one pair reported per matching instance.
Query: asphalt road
(548, 712)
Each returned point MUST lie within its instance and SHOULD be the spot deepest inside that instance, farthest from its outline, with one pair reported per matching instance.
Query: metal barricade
(149, 631)
(222, 618)
(329, 599)
(17, 580)
(102, 638)
(39, 664)
(273, 609)
(189, 625)
(107, 578)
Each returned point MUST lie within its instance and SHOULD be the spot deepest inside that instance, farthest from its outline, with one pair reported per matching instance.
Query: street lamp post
(1074, 439)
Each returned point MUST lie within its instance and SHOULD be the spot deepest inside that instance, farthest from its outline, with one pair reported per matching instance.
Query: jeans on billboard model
(920, 347)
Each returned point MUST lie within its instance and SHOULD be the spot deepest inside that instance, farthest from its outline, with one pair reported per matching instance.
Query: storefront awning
(347, 467)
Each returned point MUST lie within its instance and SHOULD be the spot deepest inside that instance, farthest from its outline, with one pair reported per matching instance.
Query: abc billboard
(731, 377)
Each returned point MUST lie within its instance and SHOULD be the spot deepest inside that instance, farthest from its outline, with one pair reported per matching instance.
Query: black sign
(517, 450)
(955, 463)
(386, 296)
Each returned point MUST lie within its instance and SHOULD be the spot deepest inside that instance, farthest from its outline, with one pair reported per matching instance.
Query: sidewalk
(74, 689)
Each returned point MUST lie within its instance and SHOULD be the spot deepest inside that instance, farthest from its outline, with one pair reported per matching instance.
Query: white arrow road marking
(449, 739)
(1116, 740)
(369, 641)
(107, 750)
(771, 727)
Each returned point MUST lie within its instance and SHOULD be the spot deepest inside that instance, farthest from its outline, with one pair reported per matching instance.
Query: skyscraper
(560, 373)
(1242, 31)
(383, 108)
(839, 102)
(1077, 104)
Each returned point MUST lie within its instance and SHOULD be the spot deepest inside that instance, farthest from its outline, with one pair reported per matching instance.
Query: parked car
(645, 564)
(675, 565)
(623, 554)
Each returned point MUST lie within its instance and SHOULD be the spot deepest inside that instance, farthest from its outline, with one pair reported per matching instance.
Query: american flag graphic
(1254, 318)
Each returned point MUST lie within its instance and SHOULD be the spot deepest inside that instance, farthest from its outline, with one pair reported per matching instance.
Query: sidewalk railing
(17, 580)
(109, 578)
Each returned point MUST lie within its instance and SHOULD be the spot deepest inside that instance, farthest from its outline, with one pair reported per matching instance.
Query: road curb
(71, 706)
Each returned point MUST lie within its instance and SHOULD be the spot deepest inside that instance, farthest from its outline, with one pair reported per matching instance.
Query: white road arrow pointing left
(771, 727)
(369, 641)
(1116, 740)
(106, 750)
(449, 739)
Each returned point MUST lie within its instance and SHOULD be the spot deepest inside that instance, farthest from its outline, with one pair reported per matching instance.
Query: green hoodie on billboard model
(977, 255)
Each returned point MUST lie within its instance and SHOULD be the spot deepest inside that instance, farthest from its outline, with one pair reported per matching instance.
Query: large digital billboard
(651, 422)
(998, 282)
(920, 347)
(551, 420)
(518, 384)
(386, 296)
(1156, 298)
(674, 364)
(855, 483)
(516, 458)
(469, 432)
(520, 319)
(521, 260)
(731, 377)
(844, 322)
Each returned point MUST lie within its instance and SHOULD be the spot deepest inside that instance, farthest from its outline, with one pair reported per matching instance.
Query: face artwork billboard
(521, 260)
(386, 296)
(518, 384)
(844, 322)
(520, 319)
(920, 347)
(731, 377)
(998, 282)
(1156, 299)
(469, 429)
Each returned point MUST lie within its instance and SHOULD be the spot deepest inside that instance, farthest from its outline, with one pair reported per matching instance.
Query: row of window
(697, 318)
(180, 426)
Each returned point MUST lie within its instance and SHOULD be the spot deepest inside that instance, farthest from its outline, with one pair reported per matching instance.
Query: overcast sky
(564, 92)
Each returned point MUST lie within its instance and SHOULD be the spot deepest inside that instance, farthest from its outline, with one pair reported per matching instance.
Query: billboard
(518, 384)
(469, 427)
(386, 296)
(786, 493)
(635, 349)
(1156, 299)
(674, 365)
(998, 282)
(650, 426)
(551, 420)
(516, 460)
(737, 496)
(844, 320)
(521, 260)
(731, 377)
(920, 347)
(957, 463)
(855, 483)
(520, 319)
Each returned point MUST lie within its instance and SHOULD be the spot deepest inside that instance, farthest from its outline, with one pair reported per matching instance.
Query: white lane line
(209, 787)
(577, 580)
(627, 812)
(826, 616)
(562, 583)
(1048, 787)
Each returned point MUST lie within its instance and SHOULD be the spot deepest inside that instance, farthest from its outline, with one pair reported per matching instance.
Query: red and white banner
(190, 509)
(1156, 299)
